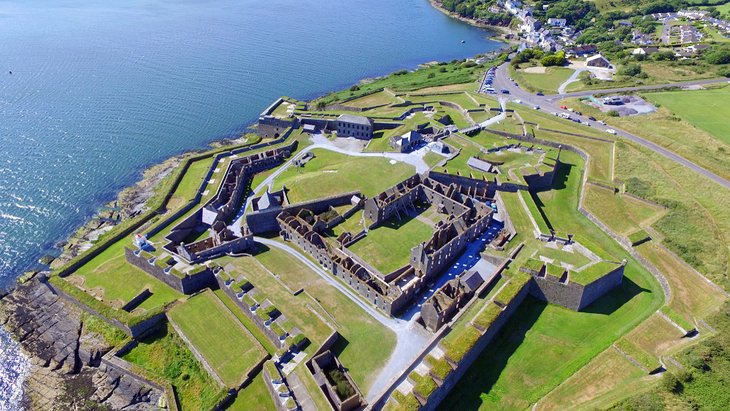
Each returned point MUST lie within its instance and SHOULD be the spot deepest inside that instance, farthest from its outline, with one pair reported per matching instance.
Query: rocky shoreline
(66, 367)
(505, 33)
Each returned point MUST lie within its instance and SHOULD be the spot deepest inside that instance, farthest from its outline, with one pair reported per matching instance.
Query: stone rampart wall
(189, 284)
(601, 286)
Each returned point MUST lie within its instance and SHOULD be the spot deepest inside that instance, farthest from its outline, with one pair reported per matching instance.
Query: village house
(598, 61)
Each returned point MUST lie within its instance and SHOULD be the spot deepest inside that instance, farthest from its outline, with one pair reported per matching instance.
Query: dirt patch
(534, 70)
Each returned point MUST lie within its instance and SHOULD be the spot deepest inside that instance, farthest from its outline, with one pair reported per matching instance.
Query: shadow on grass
(559, 183)
(614, 300)
(484, 373)
(339, 346)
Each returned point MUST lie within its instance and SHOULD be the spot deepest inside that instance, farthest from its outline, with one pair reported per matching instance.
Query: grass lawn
(623, 214)
(705, 109)
(110, 277)
(224, 342)
(467, 149)
(254, 397)
(517, 214)
(547, 82)
(192, 179)
(365, 344)
(606, 379)
(692, 296)
(330, 173)
(388, 247)
(165, 356)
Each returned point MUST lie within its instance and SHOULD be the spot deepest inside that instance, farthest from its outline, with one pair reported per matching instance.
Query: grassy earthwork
(221, 339)
(622, 213)
(548, 82)
(254, 397)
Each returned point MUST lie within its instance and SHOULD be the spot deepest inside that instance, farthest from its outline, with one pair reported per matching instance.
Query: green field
(705, 109)
(330, 173)
(547, 82)
(115, 282)
(576, 259)
(254, 397)
(224, 342)
(164, 355)
(388, 247)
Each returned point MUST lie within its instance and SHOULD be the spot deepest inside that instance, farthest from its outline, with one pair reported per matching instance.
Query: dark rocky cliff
(67, 371)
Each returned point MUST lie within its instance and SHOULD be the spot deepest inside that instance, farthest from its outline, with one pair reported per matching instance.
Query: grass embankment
(224, 342)
(330, 173)
(165, 357)
(623, 214)
(365, 344)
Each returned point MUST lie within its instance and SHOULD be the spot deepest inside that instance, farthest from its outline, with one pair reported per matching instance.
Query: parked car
(611, 131)
(540, 93)
(591, 118)
(563, 107)
(537, 107)
(601, 122)
(504, 91)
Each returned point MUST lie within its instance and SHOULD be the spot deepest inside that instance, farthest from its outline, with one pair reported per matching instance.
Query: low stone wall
(189, 284)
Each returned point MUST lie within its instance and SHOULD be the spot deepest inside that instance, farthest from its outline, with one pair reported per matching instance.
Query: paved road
(549, 103)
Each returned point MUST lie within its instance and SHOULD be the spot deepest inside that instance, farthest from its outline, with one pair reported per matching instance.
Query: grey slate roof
(349, 118)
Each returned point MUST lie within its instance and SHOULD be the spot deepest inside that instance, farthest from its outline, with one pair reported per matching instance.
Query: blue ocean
(93, 92)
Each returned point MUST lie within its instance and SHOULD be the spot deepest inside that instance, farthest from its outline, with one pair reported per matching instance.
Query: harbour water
(92, 91)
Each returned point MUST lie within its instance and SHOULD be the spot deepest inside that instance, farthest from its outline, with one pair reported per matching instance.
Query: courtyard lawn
(365, 344)
(621, 213)
(164, 355)
(467, 149)
(247, 322)
(112, 279)
(254, 397)
(330, 173)
(547, 82)
(388, 247)
(192, 180)
(219, 337)
(705, 109)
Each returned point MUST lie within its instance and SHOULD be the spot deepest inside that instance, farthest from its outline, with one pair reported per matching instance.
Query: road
(550, 103)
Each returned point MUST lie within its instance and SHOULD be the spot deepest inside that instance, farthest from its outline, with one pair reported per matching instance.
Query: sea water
(93, 92)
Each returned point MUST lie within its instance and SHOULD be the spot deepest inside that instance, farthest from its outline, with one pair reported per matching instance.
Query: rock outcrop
(67, 371)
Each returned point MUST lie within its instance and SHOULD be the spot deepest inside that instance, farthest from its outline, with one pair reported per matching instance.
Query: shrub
(431, 75)
(630, 70)
(354, 88)
(612, 113)
(671, 383)
(718, 56)
(342, 387)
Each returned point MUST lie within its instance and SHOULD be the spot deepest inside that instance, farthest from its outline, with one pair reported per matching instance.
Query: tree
(718, 56)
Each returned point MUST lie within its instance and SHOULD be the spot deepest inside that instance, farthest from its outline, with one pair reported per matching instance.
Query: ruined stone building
(447, 300)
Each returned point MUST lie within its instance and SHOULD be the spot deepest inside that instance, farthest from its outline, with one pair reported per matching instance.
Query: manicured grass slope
(227, 346)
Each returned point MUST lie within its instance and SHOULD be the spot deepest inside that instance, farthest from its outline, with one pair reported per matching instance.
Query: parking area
(624, 105)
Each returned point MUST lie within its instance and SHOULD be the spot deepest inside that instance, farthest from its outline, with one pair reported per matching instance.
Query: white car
(537, 107)
(601, 122)
(611, 131)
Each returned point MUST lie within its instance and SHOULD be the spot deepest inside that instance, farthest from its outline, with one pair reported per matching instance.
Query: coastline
(48, 379)
(504, 34)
